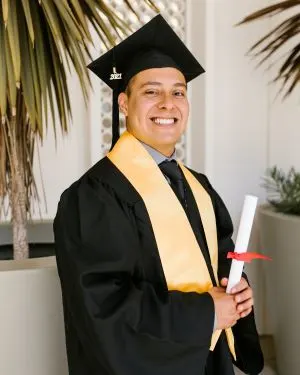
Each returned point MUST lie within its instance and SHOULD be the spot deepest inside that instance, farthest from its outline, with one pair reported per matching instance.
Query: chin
(170, 138)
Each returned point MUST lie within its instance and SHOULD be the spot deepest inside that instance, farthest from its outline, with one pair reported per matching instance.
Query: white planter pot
(32, 338)
(280, 239)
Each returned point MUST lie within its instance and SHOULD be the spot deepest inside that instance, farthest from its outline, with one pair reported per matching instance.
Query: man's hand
(243, 296)
(225, 308)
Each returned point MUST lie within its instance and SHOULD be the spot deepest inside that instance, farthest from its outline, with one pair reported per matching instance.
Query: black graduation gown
(120, 318)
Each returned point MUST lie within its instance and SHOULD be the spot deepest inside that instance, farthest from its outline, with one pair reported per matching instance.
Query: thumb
(224, 281)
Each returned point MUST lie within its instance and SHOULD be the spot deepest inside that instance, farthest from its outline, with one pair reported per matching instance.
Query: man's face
(156, 108)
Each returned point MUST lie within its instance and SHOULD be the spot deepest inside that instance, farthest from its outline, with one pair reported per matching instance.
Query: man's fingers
(224, 281)
(245, 313)
(243, 296)
(246, 305)
(240, 286)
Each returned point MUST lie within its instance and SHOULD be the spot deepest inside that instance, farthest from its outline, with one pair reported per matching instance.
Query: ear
(123, 103)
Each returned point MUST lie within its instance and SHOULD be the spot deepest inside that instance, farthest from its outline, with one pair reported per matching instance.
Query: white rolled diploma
(242, 240)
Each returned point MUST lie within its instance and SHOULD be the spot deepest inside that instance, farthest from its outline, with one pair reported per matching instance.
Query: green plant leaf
(37, 92)
(78, 60)
(270, 10)
(51, 97)
(27, 75)
(53, 20)
(27, 12)
(267, 47)
(12, 88)
(58, 81)
(128, 3)
(5, 10)
(67, 18)
(3, 74)
(42, 57)
(152, 5)
(13, 37)
(283, 190)
(93, 13)
(81, 19)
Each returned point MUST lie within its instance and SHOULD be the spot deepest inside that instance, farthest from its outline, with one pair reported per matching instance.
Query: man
(141, 241)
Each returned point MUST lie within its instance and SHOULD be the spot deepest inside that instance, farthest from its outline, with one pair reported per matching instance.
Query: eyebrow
(155, 83)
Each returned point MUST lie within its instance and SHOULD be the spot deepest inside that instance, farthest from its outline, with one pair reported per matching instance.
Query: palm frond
(273, 42)
(27, 12)
(5, 7)
(3, 72)
(27, 73)
(40, 42)
(270, 10)
(13, 38)
(80, 17)
(12, 85)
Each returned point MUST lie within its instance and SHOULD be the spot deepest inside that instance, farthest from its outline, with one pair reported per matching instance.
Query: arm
(247, 345)
(97, 253)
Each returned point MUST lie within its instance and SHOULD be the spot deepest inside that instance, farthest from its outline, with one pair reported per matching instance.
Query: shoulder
(88, 183)
(84, 204)
(91, 179)
(102, 186)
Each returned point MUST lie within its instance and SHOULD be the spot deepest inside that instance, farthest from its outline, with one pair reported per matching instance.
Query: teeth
(164, 121)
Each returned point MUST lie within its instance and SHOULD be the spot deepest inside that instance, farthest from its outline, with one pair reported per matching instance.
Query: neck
(168, 153)
(164, 150)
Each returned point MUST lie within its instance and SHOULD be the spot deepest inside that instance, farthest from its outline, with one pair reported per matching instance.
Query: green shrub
(283, 190)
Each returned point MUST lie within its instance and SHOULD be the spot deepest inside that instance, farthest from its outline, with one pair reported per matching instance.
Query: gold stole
(182, 260)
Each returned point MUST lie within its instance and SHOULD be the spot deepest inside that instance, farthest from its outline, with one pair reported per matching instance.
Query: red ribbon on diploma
(246, 257)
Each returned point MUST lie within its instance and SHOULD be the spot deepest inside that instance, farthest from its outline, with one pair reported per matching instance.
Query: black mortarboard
(155, 45)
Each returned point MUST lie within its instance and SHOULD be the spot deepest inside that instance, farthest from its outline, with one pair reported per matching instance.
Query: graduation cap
(155, 45)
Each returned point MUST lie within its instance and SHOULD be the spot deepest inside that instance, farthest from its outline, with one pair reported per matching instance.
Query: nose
(166, 102)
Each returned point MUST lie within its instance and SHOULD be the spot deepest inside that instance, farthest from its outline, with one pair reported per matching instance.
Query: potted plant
(39, 41)
(279, 221)
(280, 238)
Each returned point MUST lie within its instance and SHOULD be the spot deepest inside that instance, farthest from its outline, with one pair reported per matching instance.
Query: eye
(179, 93)
(151, 92)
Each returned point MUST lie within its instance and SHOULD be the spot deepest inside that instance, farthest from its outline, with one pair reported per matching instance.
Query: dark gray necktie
(171, 170)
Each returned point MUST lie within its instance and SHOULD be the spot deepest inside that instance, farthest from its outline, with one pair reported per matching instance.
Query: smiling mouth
(164, 121)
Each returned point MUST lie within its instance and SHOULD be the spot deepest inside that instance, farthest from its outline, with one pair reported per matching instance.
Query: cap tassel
(115, 118)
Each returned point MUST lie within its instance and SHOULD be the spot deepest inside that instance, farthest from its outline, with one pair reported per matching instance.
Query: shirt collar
(158, 156)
